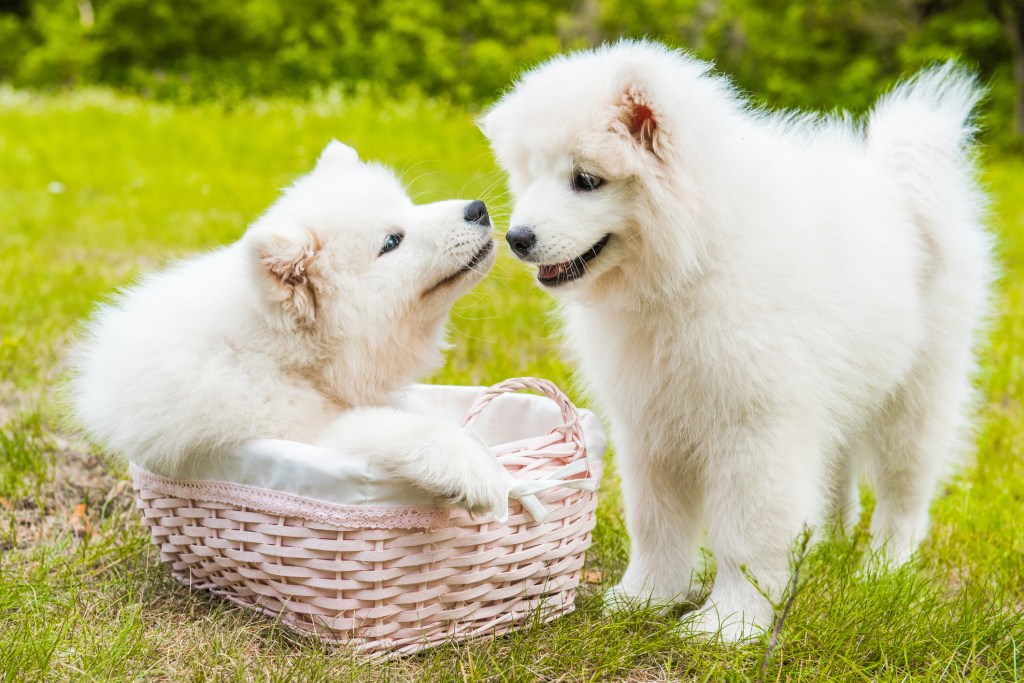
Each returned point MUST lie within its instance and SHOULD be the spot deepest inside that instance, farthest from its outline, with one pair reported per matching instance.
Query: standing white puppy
(305, 329)
(765, 304)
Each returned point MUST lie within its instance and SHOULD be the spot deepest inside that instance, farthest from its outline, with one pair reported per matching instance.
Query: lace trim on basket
(291, 505)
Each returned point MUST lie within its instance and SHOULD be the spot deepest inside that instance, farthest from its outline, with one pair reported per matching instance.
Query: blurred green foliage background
(808, 53)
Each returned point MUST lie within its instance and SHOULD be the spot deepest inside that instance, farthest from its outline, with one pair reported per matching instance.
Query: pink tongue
(549, 272)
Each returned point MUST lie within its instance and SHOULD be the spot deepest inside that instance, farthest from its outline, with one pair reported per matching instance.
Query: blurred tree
(1011, 16)
(18, 7)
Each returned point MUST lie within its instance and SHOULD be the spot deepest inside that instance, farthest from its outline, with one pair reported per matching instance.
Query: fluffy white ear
(639, 119)
(488, 122)
(287, 263)
(337, 153)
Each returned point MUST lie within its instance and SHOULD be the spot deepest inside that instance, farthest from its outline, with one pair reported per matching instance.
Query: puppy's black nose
(520, 239)
(476, 212)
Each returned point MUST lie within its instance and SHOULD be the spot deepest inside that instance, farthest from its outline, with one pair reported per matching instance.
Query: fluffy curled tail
(922, 134)
(931, 115)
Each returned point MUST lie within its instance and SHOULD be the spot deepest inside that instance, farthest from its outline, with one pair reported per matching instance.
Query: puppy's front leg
(664, 506)
(766, 483)
(437, 456)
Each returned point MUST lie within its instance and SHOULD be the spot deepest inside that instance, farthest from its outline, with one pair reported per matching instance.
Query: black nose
(476, 212)
(520, 239)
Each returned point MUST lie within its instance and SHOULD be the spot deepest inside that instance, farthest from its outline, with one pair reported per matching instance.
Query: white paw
(474, 480)
(732, 627)
(889, 554)
(618, 598)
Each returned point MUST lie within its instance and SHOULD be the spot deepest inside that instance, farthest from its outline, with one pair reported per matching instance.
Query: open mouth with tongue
(560, 273)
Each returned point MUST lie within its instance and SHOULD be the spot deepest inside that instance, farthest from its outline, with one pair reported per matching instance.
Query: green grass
(95, 188)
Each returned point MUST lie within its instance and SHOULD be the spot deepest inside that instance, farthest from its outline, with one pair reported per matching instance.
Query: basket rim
(287, 504)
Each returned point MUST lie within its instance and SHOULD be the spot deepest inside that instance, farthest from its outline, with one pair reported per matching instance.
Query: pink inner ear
(643, 120)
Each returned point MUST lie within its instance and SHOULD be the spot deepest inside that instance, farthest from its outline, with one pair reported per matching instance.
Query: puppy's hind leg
(914, 445)
(664, 516)
(846, 506)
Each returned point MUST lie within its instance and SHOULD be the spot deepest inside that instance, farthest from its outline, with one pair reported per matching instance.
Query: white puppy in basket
(333, 300)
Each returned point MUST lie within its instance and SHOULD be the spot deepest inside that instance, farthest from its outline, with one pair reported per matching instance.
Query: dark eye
(391, 243)
(586, 182)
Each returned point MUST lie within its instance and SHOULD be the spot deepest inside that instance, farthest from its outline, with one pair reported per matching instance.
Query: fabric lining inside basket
(347, 478)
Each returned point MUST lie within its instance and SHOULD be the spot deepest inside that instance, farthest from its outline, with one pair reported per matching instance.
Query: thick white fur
(301, 330)
(786, 301)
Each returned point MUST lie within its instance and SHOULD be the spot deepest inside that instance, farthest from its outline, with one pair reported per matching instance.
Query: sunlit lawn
(95, 188)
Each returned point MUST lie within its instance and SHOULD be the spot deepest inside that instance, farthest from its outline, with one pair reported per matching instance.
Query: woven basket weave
(388, 591)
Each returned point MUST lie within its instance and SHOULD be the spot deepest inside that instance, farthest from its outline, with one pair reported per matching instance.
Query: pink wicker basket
(398, 590)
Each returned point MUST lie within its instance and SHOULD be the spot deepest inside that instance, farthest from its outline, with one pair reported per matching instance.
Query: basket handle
(525, 491)
(570, 414)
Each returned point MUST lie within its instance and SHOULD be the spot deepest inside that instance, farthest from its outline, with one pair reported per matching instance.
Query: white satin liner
(346, 478)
